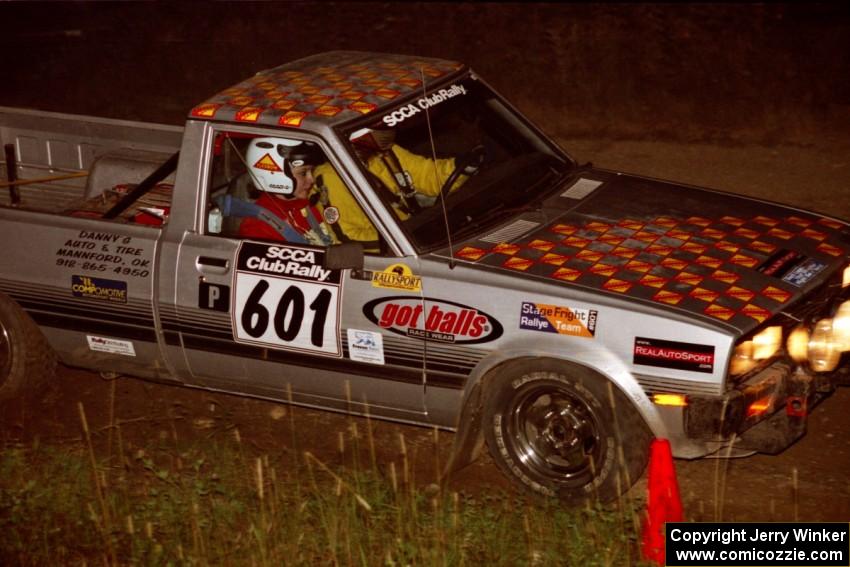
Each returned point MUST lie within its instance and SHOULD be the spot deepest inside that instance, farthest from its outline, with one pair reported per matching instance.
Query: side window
(229, 181)
(277, 189)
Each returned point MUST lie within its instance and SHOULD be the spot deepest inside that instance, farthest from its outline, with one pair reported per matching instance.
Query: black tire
(27, 363)
(557, 429)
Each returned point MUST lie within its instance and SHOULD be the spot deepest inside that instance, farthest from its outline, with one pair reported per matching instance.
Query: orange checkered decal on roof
(328, 87)
(516, 263)
(505, 248)
(568, 274)
(554, 259)
(669, 297)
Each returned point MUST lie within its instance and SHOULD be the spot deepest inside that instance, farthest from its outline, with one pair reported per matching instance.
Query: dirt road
(810, 481)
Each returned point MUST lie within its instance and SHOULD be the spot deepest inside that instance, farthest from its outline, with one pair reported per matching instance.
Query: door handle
(210, 265)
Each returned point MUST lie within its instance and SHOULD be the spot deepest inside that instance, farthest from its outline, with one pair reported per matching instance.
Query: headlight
(824, 352)
(845, 281)
(767, 342)
(841, 325)
(742, 358)
(761, 347)
(798, 344)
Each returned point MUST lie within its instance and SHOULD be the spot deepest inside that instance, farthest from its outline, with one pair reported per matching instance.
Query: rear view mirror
(346, 256)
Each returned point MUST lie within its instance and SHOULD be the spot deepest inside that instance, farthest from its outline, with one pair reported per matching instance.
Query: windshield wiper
(472, 224)
(570, 175)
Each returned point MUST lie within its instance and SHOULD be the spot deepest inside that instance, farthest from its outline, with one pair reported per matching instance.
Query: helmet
(373, 138)
(271, 161)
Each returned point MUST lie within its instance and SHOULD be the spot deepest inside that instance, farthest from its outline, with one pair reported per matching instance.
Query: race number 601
(287, 314)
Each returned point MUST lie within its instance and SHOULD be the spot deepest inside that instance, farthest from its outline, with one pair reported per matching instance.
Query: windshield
(489, 162)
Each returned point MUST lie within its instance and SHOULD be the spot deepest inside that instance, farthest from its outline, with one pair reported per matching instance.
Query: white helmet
(271, 161)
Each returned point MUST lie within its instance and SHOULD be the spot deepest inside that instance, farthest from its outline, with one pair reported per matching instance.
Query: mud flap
(468, 440)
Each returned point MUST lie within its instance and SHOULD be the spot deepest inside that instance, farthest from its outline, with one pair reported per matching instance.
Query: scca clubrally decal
(673, 354)
(285, 261)
(571, 321)
(435, 320)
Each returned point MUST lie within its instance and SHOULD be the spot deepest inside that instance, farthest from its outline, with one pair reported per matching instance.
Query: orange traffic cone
(664, 503)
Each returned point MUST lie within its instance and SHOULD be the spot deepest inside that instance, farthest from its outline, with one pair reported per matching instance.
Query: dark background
(749, 98)
(749, 73)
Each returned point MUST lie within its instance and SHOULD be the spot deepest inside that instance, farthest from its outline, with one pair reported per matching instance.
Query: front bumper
(767, 413)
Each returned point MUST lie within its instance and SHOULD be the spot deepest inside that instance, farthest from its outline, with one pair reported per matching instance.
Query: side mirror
(345, 256)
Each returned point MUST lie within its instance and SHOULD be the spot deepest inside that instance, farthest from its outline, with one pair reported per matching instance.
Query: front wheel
(558, 429)
(27, 362)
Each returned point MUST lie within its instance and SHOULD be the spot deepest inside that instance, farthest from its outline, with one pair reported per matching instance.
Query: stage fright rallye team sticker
(573, 321)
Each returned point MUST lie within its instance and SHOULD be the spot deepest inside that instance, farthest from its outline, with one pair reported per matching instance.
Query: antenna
(437, 172)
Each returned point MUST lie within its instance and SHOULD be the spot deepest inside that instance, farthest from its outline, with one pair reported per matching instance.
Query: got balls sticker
(435, 320)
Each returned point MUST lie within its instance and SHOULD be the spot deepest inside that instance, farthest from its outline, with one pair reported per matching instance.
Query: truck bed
(48, 144)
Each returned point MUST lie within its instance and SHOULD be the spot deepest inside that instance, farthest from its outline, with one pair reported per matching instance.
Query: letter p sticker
(214, 297)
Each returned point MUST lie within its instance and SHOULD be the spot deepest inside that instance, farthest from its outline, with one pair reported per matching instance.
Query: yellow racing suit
(399, 171)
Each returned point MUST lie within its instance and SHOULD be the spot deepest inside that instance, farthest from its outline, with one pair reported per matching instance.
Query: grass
(221, 501)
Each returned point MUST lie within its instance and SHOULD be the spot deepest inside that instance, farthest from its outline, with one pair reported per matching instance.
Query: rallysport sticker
(434, 320)
(673, 354)
(397, 276)
(572, 321)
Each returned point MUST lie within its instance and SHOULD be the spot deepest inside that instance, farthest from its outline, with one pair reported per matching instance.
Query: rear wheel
(27, 362)
(557, 429)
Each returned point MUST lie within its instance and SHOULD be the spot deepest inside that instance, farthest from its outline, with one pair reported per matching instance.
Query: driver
(282, 170)
(405, 180)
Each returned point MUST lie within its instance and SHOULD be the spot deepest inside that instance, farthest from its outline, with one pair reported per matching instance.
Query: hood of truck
(728, 259)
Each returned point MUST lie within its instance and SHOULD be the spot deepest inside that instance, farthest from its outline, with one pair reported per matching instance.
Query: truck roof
(328, 88)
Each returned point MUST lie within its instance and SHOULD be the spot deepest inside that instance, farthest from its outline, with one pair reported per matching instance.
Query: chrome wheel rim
(556, 435)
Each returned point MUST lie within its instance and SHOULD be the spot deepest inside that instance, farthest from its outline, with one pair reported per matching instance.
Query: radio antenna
(437, 172)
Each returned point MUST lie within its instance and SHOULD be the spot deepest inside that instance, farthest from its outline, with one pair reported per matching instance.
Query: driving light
(823, 350)
(760, 406)
(742, 358)
(841, 327)
(767, 342)
(675, 400)
(798, 344)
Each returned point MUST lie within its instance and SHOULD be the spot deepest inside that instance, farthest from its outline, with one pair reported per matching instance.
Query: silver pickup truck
(562, 313)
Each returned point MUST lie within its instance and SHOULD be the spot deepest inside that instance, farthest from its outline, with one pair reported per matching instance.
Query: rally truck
(561, 313)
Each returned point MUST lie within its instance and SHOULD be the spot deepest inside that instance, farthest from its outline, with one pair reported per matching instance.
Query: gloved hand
(472, 161)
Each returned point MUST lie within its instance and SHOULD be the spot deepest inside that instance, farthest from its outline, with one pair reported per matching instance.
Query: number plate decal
(285, 299)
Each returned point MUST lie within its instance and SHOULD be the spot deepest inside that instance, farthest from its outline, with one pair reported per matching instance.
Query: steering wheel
(467, 164)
